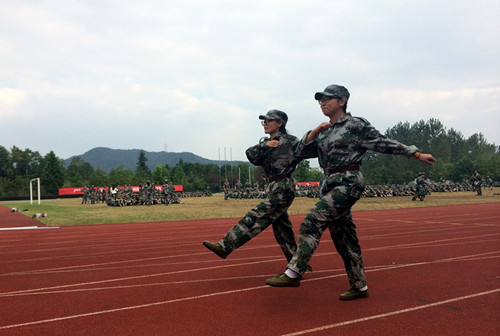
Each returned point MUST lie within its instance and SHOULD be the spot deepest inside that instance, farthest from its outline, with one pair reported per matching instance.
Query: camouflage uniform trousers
(332, 211)
(421, 192)
(271, 211)
(477, 188)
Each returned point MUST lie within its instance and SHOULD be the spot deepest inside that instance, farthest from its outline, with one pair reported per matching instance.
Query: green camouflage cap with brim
(333, 90)
(275, 115)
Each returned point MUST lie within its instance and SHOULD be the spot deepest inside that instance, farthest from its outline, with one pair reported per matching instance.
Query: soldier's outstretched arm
(425, 158)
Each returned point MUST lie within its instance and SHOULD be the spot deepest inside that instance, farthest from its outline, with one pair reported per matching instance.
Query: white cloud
(196, 75)
(11, 97)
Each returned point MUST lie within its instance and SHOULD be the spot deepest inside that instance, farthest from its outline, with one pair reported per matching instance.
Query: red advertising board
(306, 184)
(78, 191)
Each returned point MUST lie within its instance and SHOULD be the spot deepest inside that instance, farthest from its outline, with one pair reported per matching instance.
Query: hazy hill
(108, 159)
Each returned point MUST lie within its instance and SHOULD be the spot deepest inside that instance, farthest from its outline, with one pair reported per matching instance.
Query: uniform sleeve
(307, 150)
(375, 141)
(256, 154)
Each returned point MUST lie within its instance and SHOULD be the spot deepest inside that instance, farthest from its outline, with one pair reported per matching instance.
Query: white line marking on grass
(396, 312)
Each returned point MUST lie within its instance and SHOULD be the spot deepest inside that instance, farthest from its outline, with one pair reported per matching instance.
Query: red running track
(431, 271)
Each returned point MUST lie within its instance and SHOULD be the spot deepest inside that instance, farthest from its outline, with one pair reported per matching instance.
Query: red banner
(308, 184)
(78, 191)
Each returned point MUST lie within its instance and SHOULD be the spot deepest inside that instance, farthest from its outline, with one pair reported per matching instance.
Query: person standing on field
(340, 144)
(420, 186)
(277, 154)
(478, 183)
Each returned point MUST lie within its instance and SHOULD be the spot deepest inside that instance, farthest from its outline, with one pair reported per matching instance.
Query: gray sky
(193, 76)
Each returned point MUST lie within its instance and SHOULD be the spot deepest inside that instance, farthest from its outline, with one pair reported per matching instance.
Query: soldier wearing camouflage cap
(277, 155)
(477, 182)
(333, 91)
(275, 115)
(420, 186)
(339, 144)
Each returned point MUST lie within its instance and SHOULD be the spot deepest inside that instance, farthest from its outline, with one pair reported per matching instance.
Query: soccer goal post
(38, 189)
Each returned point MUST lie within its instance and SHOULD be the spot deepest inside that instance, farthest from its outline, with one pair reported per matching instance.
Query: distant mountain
(108, 159)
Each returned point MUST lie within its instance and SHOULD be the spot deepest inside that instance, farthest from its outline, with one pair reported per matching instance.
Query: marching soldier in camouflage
(172, 195)
(227, 189)
(85, 196)
(277, 154)
(340, 145)
(238, 189)
(420, 186)
(164, 193)
(478, 183)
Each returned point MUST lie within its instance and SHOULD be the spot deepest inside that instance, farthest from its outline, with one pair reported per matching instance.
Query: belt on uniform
(341, 169)
(279, 177)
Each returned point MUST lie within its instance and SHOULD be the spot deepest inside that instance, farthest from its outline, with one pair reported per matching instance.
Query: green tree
(196, 184)
(53, 174)
(98, 178)
(493, 167)
(24, 163)
(478, 147)
(456, 144)
(301, 173)
(4, 161)
(462, 169)
(314, 175)
(79, 172)
(121, 176)
(177, 175)
(142, 173)
(160, 174)
(441, 171)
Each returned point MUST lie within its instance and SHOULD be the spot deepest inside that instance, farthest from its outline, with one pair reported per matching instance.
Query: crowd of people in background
(254, 190)
(418, 188)
(117, 196)
(151, 195)
(427, 186)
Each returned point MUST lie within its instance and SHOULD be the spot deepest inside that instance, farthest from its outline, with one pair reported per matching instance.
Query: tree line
(458, 157)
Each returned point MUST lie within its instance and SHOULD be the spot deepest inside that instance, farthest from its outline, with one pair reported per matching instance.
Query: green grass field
(71, 212)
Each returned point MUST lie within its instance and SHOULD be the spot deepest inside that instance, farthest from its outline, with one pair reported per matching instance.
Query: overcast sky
(193, 76)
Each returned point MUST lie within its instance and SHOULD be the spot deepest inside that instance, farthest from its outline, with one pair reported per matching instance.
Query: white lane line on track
(86, 267)
(396, 312)
(245, 290)
(49, 290)
(180, 282)
(29, 228)
(173, 243)
(19, 228)
(264, 259)
(147, 305)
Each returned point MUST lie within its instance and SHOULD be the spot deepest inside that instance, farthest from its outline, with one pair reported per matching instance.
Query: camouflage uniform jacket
(420, 184)
(477, 179)
(277, 161)
(344, 144)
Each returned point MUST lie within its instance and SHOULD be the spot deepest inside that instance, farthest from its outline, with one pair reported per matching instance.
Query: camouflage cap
(333, 91)
(276, 115)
